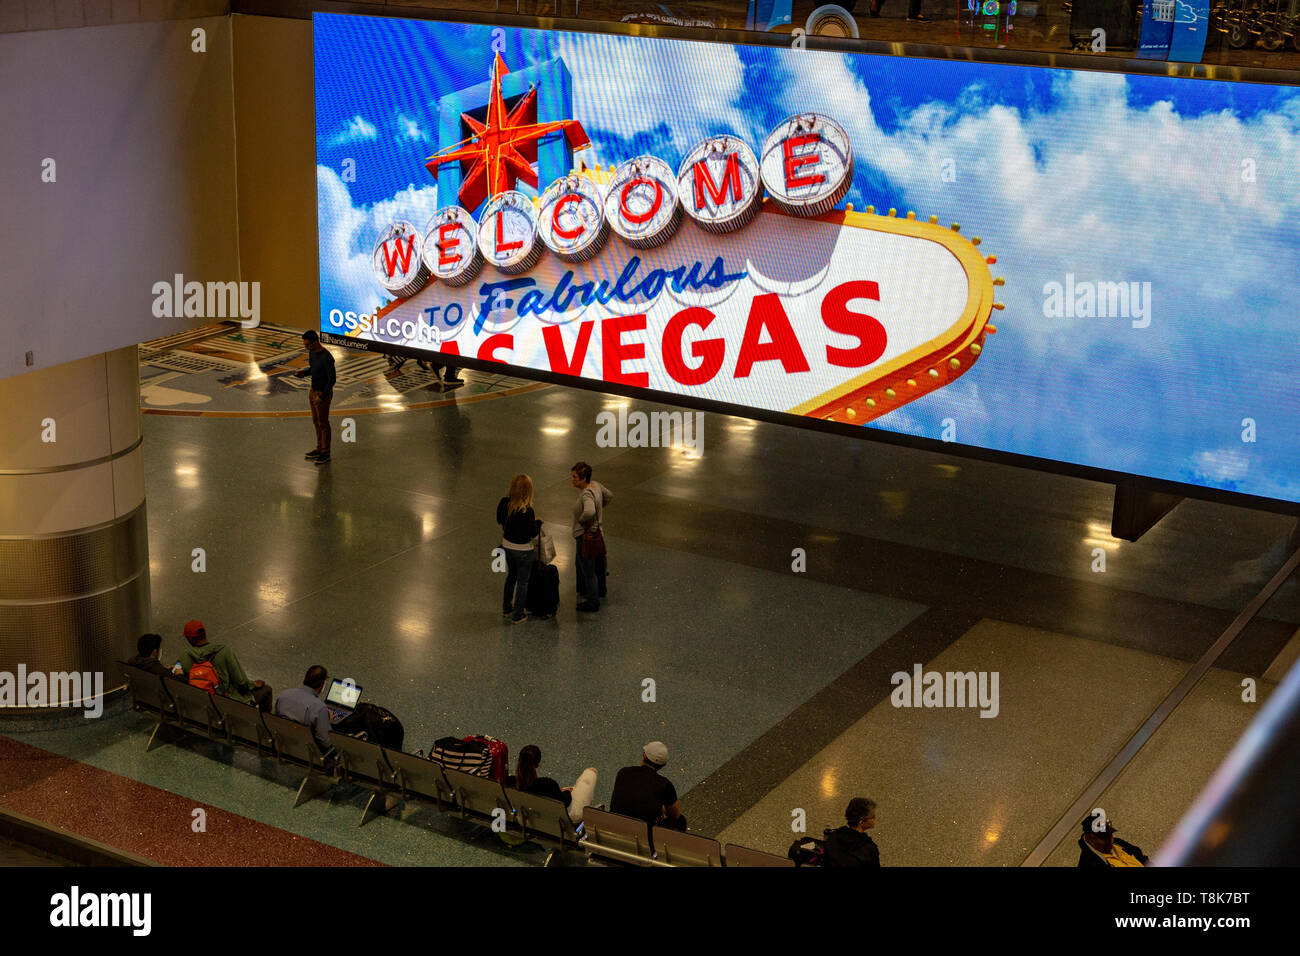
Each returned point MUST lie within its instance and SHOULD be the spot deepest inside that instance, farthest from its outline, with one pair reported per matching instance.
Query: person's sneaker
(588, 606)
(314, 453)
(453, 380)
(507, 612)
(918, 19)
(322, 458)
(519, 618)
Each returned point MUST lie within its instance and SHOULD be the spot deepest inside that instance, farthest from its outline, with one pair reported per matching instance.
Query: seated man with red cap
(231, 680)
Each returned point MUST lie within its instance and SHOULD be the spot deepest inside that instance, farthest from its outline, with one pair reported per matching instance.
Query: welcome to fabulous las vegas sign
(732, 278)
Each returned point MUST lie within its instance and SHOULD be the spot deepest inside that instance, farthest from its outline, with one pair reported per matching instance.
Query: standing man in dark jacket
(849, 847)
(321, 369)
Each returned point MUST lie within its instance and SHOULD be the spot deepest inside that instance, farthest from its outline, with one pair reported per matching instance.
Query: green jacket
(234, 682)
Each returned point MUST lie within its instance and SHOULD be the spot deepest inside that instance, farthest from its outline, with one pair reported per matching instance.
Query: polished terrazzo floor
(771, 685)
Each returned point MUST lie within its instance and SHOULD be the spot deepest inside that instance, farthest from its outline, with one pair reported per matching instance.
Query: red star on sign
(502, 151)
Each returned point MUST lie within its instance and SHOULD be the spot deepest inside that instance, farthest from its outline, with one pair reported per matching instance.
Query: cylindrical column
(74, 548)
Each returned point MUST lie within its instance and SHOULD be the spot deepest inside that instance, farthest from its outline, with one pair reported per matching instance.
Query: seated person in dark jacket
(1098, 847)
(148, 647)
(849, 847)
(642, 793)
(525, 777)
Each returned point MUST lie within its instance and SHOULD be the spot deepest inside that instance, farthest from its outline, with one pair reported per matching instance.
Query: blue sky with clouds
(1188, 185)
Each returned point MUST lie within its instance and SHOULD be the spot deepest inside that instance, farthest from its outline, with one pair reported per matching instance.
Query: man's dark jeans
(588, 590)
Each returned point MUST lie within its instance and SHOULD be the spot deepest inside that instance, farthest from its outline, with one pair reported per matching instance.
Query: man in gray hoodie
(588, 513)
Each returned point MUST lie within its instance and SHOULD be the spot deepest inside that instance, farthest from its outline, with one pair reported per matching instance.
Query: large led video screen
(1083, 268)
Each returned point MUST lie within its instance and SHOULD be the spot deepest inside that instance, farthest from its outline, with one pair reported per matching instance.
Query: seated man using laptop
(303, 705)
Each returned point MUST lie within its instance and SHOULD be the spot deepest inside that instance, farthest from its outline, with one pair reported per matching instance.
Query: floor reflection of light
(556, 425)
(188, 476)
(272, 593)
(994, 826)
(393, 406)
(427, 524)
(1216, 833)
(894, 502)
(255, 373)
(413, 627)
(829, 786)
(948, 471)
(1099, 536)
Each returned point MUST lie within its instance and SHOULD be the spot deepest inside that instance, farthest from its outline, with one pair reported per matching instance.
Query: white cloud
(410, 129)
(358, 130)
(1222, 465)
(692, 88)
(827, 83)
(349, 233)
(1201, 206)
(1093, 178)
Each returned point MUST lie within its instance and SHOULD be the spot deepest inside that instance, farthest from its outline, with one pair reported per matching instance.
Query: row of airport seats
(395, 778)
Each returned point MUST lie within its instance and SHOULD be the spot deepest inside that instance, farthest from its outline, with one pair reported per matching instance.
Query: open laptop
(341, 699)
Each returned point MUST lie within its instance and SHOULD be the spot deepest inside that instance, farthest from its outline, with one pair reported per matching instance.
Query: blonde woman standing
(518, 527)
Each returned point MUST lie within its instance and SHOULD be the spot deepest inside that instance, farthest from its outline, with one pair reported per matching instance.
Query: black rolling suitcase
(1117, 17)
(543, 591)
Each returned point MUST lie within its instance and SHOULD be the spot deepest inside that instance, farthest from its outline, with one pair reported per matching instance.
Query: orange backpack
(203, 675)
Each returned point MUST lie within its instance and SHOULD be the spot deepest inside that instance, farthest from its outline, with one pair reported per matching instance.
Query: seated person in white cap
(642, 793)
